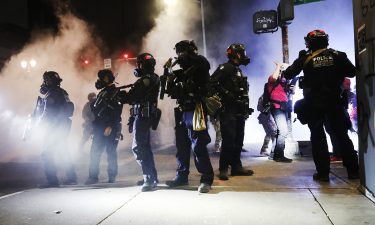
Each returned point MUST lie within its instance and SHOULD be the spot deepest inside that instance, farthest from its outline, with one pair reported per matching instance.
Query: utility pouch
(130, 124)
(302, 110)
(155, 118)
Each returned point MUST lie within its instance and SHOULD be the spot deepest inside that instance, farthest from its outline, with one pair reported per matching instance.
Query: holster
(155, 118)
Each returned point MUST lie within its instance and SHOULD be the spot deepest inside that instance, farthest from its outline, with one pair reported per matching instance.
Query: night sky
(122, 24)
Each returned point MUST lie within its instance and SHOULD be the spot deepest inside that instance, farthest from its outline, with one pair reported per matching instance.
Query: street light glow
(32, 63)
(24, 64)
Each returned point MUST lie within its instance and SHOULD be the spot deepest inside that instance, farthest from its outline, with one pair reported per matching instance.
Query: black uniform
(188, 87)
(107, 109)
(233, 88)
(143, 97)
(323, 76)
(56, 120)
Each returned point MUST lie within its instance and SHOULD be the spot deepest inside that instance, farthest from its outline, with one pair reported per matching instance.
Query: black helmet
(316, 39)
(238, 51)
(51, 78)
(186, 46)
(145, 63)
(105, 77)
(106, 73)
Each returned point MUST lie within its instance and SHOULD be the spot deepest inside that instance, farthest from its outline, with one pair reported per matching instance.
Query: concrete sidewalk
(277, 194)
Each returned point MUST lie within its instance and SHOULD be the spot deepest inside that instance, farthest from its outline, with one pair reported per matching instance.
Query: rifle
(163, 78)
(103, 102)
(33, 118)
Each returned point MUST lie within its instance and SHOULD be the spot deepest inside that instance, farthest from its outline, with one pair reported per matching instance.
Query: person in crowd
(278, 98)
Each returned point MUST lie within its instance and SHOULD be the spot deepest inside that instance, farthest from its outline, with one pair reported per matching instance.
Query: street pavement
(277, 193)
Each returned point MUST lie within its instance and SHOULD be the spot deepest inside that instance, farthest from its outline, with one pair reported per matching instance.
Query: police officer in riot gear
(232, 87)
(55, 119)
(143, 97)
(88, 117)
(324, 71)
(106, 126)
(188, 86)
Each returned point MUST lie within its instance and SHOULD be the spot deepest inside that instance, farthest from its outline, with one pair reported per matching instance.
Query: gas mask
(243, 59)
(100, 84)
(44, 88)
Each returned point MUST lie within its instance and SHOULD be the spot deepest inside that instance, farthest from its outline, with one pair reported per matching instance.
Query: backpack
(264, 101)
(68, 107)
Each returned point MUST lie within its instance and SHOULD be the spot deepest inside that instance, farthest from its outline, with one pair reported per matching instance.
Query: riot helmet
(316, 39)
(145, 64)
(105, 77)
(238, 52)
(186, 46)
(186, 50)
(50, 79)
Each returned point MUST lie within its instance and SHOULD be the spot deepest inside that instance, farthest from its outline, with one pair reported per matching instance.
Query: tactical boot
(91, 181)
(204, 188)
(112, 180)
(176, 182)
(223, 175)
(321, 177)
(353, 175)
(282, 159)
(49, 185)
(240, 171)
(148, 186)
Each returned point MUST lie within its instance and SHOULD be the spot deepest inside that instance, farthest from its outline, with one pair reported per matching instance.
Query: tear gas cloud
(19, 88)
(60, 53)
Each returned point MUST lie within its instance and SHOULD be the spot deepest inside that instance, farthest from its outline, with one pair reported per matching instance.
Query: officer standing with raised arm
(324, 71)
(188, 86)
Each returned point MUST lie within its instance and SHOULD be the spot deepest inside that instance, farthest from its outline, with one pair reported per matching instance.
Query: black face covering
(99, 84)
(245, 60)
(43, 89)
(185, 61)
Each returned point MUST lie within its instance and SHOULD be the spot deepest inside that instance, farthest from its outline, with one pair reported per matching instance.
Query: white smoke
(175, 23)
(19, 87)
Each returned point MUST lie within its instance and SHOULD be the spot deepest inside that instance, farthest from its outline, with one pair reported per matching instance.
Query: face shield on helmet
(238, 52)
(145, 64)
(50, 79)
(316, 39)
(105, 77)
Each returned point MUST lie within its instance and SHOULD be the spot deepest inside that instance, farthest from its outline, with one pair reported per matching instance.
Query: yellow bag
(199, 122)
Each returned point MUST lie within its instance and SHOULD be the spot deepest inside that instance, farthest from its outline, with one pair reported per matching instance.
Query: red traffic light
(126, 56)
(86, 62)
